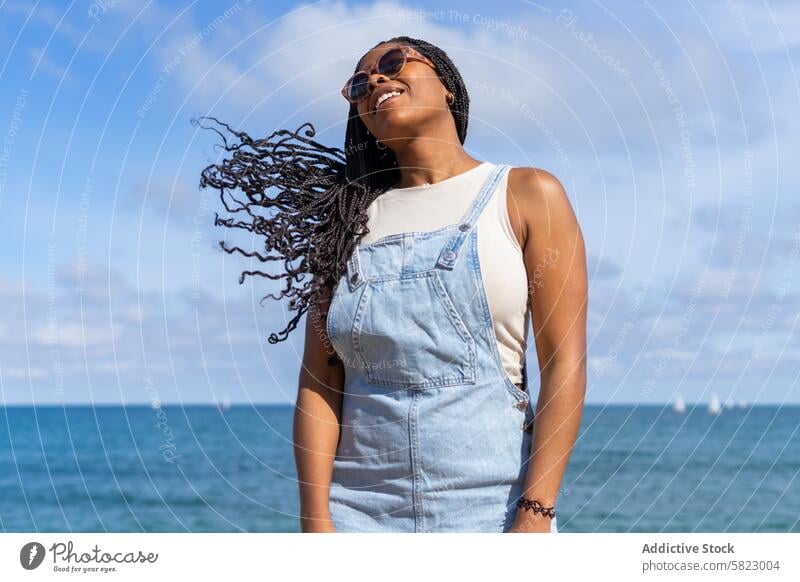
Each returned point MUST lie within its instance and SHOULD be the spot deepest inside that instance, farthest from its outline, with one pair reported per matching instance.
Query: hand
(530, 522)
(316, 525)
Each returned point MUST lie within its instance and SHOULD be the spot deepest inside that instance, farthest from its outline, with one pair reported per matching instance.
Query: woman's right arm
(316, 421)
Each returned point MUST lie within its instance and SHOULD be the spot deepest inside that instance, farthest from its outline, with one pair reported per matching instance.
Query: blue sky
(672, 127)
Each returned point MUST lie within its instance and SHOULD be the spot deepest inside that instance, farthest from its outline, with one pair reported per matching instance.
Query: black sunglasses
(389, 63)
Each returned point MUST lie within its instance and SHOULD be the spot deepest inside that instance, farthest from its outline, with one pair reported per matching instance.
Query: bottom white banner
(389, 557)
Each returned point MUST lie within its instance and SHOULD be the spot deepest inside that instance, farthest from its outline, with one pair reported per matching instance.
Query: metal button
(463, 227)
(522, 404)
(449, 255)
(354, 278)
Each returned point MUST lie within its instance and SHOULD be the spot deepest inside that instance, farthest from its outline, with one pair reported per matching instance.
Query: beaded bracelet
(536, 507)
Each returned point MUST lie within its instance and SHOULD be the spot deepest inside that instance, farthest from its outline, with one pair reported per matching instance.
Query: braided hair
(322, 192)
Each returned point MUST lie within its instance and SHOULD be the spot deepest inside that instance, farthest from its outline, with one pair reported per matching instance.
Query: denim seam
(435, 383)
(419, 516)
(355, 331)
(418, 234)
(408, 255)
(396, 277)
(329, 329)
(481, 292)
(457, 321)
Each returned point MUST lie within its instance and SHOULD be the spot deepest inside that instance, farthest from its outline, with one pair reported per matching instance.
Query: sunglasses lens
(357, 86)
(391, 62)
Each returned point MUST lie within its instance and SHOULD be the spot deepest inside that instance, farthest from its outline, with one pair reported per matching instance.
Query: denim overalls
(434, 434)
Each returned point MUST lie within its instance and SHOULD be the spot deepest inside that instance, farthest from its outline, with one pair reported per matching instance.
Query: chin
(402, 120)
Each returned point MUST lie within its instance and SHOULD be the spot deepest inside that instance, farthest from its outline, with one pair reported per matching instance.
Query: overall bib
(435, 437)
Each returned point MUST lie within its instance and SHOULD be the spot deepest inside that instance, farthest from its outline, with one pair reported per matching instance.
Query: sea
(634, 468)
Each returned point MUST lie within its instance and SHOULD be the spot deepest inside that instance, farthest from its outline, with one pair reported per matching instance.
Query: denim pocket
(408, 334)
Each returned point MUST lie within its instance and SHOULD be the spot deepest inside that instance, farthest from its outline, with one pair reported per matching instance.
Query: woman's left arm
(555, 259)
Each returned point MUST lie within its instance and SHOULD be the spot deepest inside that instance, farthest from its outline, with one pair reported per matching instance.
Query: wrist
(314, 513)
(314, 505)
(546, 499)
(536, 506)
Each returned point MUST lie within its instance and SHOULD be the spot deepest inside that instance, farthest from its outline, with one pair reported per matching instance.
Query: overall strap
(449, 254)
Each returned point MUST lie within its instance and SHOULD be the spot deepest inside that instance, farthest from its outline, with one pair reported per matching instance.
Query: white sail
(678, 405)
(714, 405)
(225, 404)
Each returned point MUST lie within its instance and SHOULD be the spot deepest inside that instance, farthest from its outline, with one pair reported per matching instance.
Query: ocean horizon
(219, 468)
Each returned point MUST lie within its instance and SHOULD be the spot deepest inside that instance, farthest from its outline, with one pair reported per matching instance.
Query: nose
(375, 79)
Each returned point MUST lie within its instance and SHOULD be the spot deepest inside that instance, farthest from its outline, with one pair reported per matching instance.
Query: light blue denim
(432, 435)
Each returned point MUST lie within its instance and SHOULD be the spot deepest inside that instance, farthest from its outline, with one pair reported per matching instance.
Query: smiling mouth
(394, 93)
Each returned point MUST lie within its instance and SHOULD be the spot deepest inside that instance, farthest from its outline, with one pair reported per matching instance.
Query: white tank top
(430, 207)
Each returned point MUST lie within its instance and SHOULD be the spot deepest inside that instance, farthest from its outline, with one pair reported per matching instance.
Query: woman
(411, 415)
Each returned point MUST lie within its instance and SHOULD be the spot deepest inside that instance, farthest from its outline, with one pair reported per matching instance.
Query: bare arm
(316, 421)
(555, 259)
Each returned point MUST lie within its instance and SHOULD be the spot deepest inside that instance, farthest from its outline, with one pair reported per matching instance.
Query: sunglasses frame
(407, 56)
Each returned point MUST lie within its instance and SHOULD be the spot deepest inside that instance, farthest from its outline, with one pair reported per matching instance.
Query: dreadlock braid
(322, 192)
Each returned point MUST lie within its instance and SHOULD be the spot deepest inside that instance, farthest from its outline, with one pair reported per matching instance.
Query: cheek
(427, 92)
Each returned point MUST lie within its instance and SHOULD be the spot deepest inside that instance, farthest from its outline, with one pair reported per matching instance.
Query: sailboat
(225, 404)
(714, 405)
(678, 405)
(729, 403)
(742, 404)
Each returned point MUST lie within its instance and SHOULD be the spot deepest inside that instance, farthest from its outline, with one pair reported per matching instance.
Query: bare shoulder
(535, 180)
(538, 202)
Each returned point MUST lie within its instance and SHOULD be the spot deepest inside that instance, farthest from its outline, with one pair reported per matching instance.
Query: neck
(425, 161)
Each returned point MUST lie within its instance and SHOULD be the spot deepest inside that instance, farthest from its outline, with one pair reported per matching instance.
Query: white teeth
(384, 97)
